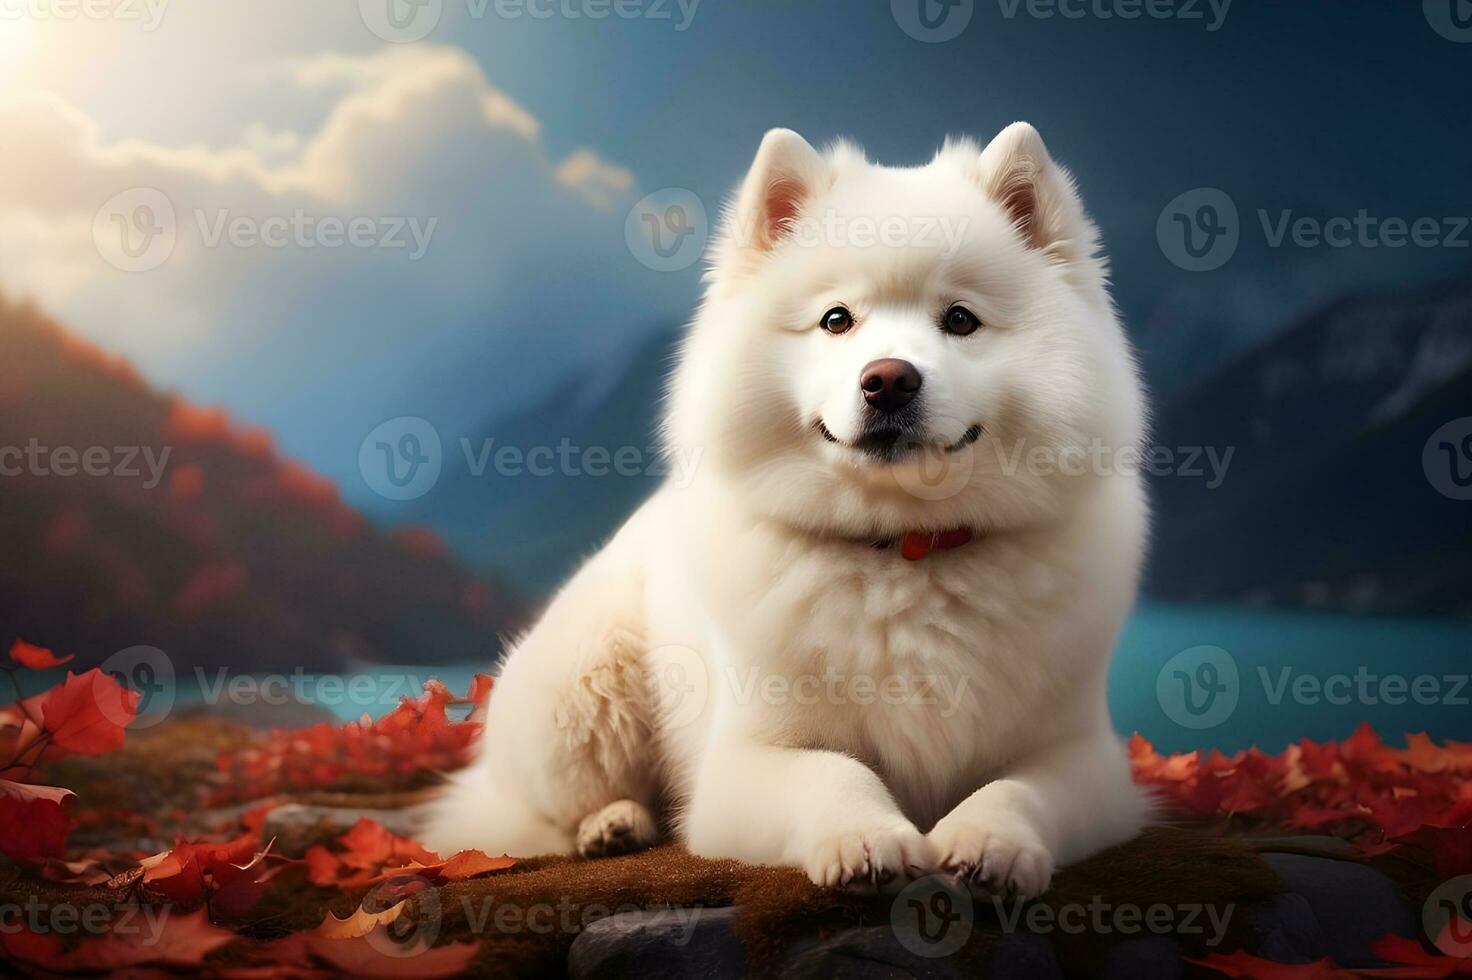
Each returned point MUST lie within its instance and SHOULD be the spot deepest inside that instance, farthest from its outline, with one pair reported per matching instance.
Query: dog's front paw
(1006, 855)
(870, 860)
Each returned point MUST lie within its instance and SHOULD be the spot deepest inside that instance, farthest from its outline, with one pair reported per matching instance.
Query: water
(1184, 676)
(1299, 675)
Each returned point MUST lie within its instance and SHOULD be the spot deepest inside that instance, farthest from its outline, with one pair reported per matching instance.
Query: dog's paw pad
(869, 861)
(619, 828)
(1006, 858)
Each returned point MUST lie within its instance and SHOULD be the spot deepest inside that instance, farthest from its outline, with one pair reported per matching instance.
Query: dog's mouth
(892, 444)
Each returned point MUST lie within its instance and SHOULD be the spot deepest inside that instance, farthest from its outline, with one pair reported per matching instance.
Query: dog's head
(883, 350)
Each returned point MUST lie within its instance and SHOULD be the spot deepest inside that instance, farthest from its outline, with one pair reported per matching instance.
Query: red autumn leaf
(360, 923)
(33, 821)
(415, 737)
(20, 727)
(1248, 967)
(86, 713)
(233, 875)
(1451, 848)
(1413, 960)
(458, 867)
(480, 688)
(36, 658)
(363, 854)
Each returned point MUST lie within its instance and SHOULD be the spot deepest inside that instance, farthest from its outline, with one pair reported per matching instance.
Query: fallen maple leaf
(366, 851)
(458, 867)
(1249, 967)
(86, 713)
(33, 820)
(1413, 960)
(232, 875)
(360, 923)
(36, 658)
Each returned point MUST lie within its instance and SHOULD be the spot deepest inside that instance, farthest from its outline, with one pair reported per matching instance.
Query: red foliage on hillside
(134, 517)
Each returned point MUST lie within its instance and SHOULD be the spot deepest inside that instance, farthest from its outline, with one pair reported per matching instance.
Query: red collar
(918, 544)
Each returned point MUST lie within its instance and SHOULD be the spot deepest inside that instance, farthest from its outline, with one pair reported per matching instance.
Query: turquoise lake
(1299, 675)
(1184, 676)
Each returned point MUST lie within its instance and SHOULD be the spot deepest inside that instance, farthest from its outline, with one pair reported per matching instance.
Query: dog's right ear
(786, 173)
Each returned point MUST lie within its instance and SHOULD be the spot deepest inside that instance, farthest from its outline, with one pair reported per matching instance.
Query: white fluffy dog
(870, 637)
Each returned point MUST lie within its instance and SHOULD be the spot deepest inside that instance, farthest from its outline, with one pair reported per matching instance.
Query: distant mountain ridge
(531, 529)
(1324, 503)
(191, 534)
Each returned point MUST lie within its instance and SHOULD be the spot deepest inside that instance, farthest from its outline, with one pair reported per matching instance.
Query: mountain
(1326, 502)
(132, 517)
(532, 523)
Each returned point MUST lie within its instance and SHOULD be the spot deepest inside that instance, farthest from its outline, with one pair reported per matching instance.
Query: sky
(491, 157)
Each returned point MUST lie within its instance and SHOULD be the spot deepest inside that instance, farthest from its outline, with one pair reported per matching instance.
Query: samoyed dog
(869, 636)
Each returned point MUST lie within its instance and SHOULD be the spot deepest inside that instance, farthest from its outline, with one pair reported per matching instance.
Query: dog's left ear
(1038, 195)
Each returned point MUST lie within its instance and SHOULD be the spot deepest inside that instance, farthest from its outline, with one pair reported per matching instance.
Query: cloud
(510, 269)
(599, 183)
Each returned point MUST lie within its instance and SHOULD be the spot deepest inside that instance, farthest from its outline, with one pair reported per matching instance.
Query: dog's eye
(960, 321)
(837, 320)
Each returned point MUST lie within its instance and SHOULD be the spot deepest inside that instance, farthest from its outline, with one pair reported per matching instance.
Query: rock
(1330, 908)
(680, 942)
(1150, 958)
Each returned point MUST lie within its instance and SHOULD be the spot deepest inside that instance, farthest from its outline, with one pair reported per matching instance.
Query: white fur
(650, 677)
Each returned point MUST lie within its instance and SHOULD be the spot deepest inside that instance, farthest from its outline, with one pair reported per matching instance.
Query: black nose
(889, 383)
